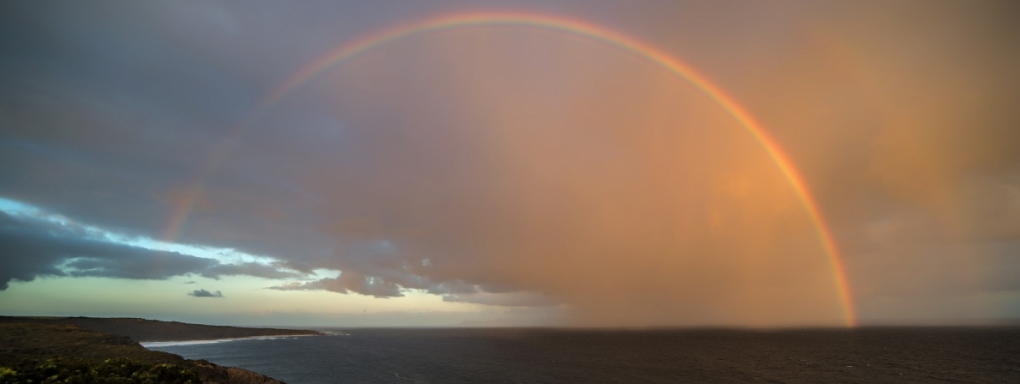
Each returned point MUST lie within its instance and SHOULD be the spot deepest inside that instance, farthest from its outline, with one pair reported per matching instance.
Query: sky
(511, 163)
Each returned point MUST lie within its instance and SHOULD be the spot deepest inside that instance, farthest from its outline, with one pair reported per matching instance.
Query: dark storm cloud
(25, 254)
(86, 87)
(32, 247)
(132, 263)
(204, 293)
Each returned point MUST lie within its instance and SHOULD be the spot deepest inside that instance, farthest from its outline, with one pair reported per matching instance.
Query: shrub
(110, 371)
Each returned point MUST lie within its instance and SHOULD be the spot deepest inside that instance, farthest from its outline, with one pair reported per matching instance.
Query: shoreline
(173, 343)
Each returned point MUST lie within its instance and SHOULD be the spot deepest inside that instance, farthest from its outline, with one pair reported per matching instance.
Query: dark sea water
(870, 355)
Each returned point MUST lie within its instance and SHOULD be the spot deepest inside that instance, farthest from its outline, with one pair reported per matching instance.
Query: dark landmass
(58, 353)
(142, 330)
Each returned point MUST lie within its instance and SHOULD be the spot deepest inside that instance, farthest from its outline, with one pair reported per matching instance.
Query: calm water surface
(891, 355)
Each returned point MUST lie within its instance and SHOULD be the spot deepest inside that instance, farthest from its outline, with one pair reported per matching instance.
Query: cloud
(349, 281)
(138, 263)
(381, 288)
(31, 246)
(204, 293)
(251, 269)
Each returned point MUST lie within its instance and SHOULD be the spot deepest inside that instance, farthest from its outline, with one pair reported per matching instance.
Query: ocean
(866, 355)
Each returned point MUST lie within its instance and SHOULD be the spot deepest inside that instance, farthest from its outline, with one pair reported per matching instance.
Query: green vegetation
(40, 342)
(50, 353)
(112, 371)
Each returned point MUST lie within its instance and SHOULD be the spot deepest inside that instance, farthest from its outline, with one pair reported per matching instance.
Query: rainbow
(562, 24)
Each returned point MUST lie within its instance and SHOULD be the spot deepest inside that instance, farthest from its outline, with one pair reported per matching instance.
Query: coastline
(169, 343)
(83, 344)
(34, 352)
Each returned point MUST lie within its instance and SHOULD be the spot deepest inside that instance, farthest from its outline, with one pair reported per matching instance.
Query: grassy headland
(81, 349)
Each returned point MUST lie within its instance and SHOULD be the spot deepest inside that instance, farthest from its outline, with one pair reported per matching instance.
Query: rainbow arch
(556, 23)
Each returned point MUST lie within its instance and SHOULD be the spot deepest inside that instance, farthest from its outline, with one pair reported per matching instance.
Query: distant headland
(142, 330)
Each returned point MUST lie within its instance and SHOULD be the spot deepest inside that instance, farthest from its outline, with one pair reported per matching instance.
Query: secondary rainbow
(556, 23)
